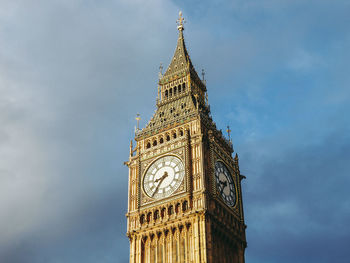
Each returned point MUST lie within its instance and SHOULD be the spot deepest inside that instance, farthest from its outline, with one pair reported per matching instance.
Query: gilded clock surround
(193, 224)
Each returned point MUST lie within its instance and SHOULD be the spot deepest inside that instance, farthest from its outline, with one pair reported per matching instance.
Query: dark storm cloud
(94, 232)
(299, 204)
(73, 74)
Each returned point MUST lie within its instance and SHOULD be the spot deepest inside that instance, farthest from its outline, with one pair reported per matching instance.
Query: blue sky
(74, 73)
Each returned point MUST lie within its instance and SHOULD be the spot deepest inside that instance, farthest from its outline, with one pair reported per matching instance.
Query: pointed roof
(181, 61)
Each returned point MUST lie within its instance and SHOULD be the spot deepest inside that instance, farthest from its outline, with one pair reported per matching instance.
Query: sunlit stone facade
(185, 198)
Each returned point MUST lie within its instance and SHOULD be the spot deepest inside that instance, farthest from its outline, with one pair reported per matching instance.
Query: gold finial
(138, 118)
(180, 22)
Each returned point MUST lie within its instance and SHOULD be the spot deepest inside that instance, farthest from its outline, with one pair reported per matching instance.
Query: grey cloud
(71, 73)
(297, 200)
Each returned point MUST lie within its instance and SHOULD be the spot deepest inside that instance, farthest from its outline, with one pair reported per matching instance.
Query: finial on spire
(180, 22)
(161, 68)
(229, 133)
(160, 74)
(138, 118)
(203, 77)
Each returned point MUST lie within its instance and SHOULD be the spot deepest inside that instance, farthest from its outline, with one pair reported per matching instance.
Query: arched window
(179, 88)
(156, 215)
(142, 219)
(161, 140)
(148, 145)
(168, 137)
(177, 208)
(181, 133)
(162, 213)
(184, 206)
(183, 87)
(170, 92)
(149, 216)
(154, 142)
(170, 210)
(174, 90)
(174, 135)
(166, 94)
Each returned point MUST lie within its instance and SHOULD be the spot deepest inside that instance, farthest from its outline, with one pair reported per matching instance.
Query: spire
(180, 62)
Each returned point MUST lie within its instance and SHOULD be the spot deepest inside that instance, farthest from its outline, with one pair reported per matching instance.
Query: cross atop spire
(180, 22)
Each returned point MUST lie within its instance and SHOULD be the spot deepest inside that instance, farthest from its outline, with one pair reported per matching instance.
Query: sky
(74, 73)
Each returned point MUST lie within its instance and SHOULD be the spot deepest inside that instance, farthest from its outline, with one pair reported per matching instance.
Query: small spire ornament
(229, 133)
(180, 22)
(138, 118)
(160, 74)
(203, 77)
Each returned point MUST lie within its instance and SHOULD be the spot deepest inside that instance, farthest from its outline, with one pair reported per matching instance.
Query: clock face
(163, 177)
(225, 183)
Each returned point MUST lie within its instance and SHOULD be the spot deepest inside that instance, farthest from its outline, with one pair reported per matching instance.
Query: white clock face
(163, 177)
(225, 183)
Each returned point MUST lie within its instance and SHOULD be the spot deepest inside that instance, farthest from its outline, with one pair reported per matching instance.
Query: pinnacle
(181, 62)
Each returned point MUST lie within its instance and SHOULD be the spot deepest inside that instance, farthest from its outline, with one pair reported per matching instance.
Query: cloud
(70, 72)
(297, 199)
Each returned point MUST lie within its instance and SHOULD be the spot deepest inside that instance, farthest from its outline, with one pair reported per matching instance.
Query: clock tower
(185, 197)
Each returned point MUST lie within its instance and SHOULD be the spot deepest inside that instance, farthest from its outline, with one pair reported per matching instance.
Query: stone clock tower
(185, 197)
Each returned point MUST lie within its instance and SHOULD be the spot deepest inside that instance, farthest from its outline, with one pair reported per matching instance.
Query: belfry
(185, 198)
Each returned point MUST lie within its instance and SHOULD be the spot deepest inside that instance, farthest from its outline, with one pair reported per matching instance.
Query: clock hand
(156, 190)
(157, 180)
(161, 179)
(224, 183)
